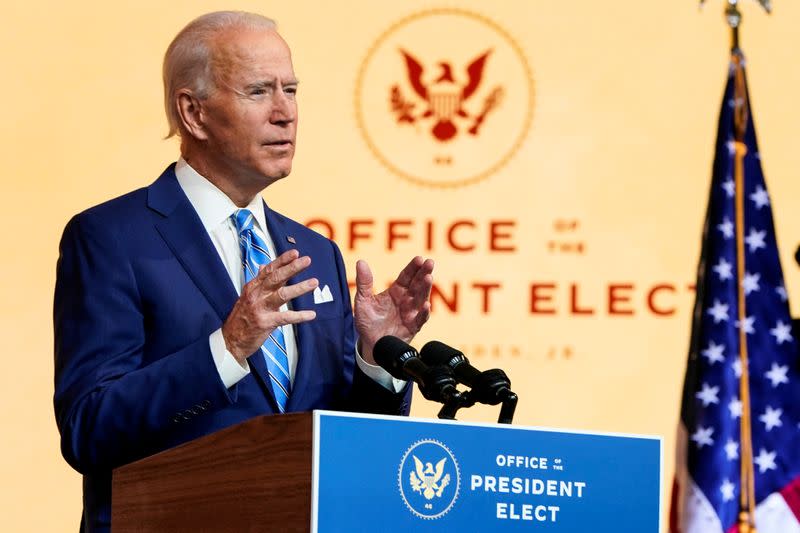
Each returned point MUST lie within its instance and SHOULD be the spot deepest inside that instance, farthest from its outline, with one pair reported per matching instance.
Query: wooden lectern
(329, 472)
(255, 476)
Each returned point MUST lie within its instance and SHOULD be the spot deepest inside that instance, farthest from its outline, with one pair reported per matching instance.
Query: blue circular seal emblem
(429, 479)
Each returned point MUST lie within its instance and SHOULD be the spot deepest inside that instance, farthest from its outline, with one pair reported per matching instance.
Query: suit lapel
(185, 235)
(282, 240)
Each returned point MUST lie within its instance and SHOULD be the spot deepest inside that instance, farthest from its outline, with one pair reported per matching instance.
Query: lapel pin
(291, 239)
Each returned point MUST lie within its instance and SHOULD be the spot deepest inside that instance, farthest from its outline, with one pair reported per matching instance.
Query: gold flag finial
(766, 4)
(734, 18)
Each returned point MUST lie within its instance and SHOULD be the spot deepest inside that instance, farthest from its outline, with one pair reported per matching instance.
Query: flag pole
(741, 115)
(747, 486)
(747, 494)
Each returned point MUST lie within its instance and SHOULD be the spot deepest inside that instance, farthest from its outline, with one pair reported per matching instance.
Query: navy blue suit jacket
(139, 289)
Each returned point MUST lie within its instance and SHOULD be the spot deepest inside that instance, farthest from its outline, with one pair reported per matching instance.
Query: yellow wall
(617, 159)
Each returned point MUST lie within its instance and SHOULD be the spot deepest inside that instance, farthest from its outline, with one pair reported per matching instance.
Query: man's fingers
(420, 293)
(271, 279)
(282, 260)
(269, 288)
(290, 292)
(421, 284)
(363, 279)
(284, 273)
(407, 274)
(295, 317)
(423, 315)
(424, 270)
(264, 271)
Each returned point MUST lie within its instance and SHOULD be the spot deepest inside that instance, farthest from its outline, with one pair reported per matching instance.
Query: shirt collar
(212, 205)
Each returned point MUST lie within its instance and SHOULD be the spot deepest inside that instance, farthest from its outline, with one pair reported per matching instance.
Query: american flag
(720, 397)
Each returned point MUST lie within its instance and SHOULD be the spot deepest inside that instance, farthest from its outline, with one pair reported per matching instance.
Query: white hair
(187, 63)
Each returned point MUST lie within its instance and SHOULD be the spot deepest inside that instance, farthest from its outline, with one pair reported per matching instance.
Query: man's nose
(283, 108)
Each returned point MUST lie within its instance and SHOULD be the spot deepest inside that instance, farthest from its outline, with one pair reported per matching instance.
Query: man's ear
(191, 114)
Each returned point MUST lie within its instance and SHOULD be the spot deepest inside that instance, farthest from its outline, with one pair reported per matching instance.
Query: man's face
(250, 117)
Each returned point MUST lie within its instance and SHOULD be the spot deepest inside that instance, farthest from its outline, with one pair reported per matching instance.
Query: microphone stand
(451, 406)
(508, 408)
(467, 399)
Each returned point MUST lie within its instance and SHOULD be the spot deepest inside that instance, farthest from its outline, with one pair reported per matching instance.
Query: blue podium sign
(384, 473)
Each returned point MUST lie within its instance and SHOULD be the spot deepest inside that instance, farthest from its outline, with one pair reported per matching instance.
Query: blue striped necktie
(254, 255)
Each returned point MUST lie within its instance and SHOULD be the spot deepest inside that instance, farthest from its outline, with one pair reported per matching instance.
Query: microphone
(490, 387)
(402, 361)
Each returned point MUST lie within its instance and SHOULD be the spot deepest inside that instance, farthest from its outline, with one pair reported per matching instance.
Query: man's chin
(272, 175)
(276, 169)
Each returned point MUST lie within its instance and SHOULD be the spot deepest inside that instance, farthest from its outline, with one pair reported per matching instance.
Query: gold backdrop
(562, 198)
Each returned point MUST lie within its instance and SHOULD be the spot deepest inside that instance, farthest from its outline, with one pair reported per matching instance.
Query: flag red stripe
(674, 526)
(791, 493)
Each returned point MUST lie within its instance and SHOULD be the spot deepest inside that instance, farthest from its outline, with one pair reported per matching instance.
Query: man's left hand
(400, 310)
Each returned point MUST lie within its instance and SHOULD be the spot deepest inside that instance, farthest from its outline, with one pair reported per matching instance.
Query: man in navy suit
(159, 333)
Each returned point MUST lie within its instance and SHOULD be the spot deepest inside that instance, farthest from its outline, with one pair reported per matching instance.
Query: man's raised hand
(257, 312)
(401, 310)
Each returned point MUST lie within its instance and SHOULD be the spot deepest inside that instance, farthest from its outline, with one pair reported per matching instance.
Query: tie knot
(243, 219)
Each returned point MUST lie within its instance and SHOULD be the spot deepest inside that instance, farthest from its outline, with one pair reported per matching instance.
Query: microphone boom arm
(508, 408)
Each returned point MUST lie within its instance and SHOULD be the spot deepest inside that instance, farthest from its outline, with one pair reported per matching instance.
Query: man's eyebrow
(260, 84)
(269, 83)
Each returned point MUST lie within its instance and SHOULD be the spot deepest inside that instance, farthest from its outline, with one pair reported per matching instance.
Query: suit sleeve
(365, 394)
(111, 407)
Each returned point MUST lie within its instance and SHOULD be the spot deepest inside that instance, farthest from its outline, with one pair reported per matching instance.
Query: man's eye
(258, 92)
(290, 90)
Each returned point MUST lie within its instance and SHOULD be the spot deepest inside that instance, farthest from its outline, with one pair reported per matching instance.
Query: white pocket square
(322, 295)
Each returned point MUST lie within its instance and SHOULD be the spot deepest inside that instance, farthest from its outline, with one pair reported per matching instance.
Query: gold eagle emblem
(427, 479)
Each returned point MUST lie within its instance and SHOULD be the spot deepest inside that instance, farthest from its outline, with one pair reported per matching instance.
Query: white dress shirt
(215, 209)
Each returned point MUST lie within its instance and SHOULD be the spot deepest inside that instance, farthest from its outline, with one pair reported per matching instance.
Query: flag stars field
(782, 332)
(750, 283)
(760, 197)
(703, 436)
(732, 450)
(708, 395)
(728, 490)
(737, 367)
(726, 227)
(748, 324)
(771, 418)
(723, 269)
(719, 311)
(781, 290)
(777, 374)
(755, 240)
(765, 460)
(729, 187)
(714, 352)
(735, 407)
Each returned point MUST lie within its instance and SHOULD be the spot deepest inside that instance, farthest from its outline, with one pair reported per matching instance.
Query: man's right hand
(257, 312)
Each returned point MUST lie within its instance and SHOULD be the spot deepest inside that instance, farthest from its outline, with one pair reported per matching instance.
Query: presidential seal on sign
(444, 98)
(429, 479)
